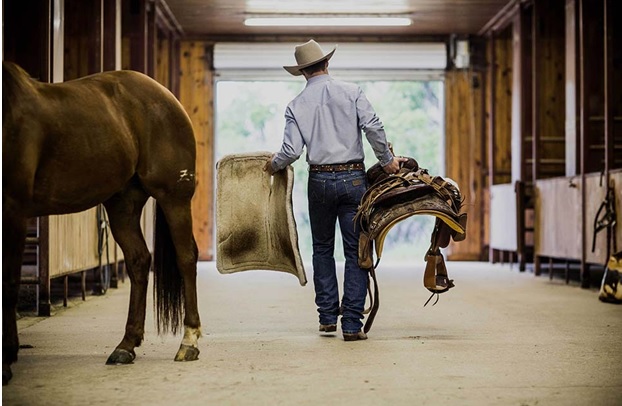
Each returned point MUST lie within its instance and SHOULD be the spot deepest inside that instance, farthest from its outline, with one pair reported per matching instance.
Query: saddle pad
(255, 225)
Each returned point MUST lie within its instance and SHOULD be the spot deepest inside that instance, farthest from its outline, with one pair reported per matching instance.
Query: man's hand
(268, 166)
(395, 165)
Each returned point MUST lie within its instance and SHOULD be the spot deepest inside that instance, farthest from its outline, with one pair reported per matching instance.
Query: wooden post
(584, 269)
(112, 35)
(491, 121)
(44, 306)
(196, 95)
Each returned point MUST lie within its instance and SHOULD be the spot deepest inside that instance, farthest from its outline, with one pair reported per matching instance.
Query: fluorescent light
(326, 21)
(395, 56)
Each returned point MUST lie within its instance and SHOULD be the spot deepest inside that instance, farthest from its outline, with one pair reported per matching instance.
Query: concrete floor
(499, 338)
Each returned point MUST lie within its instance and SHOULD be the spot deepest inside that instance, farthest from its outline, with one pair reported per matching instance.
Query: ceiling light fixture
(331, 21)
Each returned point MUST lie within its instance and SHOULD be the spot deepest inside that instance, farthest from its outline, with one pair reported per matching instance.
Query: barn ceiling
(225, 18)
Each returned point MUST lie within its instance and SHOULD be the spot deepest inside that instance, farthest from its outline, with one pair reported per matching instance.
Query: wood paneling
(112, 35)
(549, 89)
(163, 62)
(26, 36)
(501, 93)
(522, 94)
(197, 96)
(464, 157)
(558, 218)
(225, 18)
(73, 243)
(592, 51)
(134, 34)
(83, 42)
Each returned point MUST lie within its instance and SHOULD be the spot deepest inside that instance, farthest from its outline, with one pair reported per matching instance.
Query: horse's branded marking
(185, 176)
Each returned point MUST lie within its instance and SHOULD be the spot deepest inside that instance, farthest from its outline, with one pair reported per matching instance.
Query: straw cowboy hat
(306, 55)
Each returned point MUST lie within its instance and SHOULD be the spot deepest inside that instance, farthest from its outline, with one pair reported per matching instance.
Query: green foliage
(250, 119)
(412, 118)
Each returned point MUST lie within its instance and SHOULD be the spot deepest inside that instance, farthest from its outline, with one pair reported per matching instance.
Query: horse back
(59, 140)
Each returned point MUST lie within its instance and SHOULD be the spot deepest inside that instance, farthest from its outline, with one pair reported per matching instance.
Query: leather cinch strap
(374, 302)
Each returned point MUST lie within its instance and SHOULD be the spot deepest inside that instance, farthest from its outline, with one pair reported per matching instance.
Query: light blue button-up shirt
(327, 117)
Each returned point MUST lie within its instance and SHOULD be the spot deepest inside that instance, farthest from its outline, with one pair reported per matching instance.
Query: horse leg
(13, 241)
(179, 219)
(124, 211)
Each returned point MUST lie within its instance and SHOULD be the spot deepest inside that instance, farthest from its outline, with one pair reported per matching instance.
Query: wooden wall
(522, 91)
(26, 36)
(163, 68)
(465, 158)
(197, 96)
(134, 35)
(549, 103)
(83, 42)
(499, 106)
(562, 230)
(558, 218)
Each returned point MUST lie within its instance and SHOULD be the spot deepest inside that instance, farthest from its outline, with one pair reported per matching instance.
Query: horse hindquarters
(167, 172)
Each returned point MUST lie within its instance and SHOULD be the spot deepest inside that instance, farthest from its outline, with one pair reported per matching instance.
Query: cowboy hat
(306, 55)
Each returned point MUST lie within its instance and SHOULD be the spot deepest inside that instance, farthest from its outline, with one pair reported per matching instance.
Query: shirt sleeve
(373, 128)
(292, 145)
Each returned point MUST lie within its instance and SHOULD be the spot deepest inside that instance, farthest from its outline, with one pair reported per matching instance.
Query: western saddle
(393, 198)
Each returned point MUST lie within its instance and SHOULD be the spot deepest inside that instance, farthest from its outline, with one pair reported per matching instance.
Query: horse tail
(168, 282)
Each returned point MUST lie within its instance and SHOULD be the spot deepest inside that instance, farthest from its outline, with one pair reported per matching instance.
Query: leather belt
(354, 166)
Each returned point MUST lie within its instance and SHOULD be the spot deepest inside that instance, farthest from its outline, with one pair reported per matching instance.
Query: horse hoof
(6, 375)
(187, 353)
(120, 356)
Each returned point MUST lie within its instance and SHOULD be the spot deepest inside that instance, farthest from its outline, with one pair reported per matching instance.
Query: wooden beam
(491, 122)
(169, 17)
(584, 269)
(57, 43)
(572, 89)
(503, 18)
(44, 306)
(197, 96)
(608, 53)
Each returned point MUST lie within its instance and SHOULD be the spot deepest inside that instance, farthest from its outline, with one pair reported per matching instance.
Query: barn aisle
(498, 338)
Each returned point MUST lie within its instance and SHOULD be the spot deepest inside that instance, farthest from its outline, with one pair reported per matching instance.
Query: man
(327, 117)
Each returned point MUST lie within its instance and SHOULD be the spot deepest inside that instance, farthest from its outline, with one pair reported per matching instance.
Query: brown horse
(115, 138)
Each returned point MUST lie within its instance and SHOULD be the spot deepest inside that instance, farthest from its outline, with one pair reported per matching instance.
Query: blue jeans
(332, 196)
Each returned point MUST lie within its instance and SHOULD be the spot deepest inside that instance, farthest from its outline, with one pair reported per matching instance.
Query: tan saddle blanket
(255, 224)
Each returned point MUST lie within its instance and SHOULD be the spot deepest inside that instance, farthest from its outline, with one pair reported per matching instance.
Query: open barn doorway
(249, 118)
(250, 102)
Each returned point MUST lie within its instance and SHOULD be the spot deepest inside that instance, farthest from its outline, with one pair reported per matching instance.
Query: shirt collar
(318, 79)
